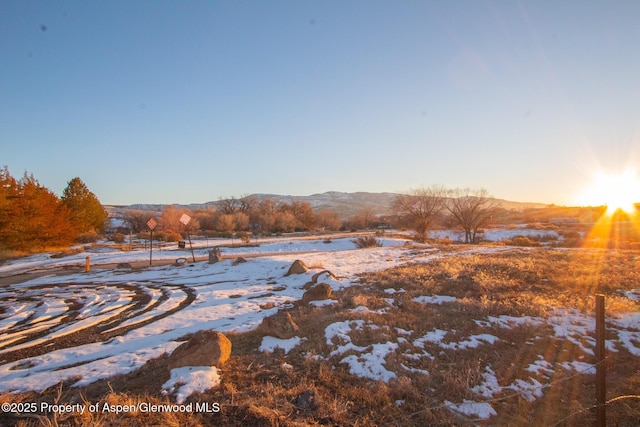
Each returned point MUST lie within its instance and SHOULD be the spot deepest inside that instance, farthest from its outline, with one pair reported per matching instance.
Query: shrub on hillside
(118, 237)
(523, 241)
(369, 241)
(88, 237)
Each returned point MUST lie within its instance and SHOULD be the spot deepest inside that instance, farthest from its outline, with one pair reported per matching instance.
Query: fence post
(601, 388)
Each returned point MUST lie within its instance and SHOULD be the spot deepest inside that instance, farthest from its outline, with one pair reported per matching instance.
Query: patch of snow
(541, 367)
(582, 367)
(435, 299)
(371, 365)
(341, 330)
(633, 294)
(574, 326)
(482, 410)
(269, 344)
(509, 322)
(529, 390)
(187, 380)
(472, 342)
(630, 340)
(435, 336)
(323, 303)
(414, 370)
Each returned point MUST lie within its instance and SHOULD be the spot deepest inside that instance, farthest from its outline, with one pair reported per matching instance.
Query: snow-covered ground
(169, 252)
(161, 303)
(158, 305)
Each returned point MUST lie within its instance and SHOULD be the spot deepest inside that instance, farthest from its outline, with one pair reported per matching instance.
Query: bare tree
(225, 223)
(421, 207)
(229, 206)
(284, 222)
(363, 219)
(329, 220)
(206, 218)
(137, 219)
(241, 221)
(303, 213)
(472, 209)
(170, 219)
(248, 204)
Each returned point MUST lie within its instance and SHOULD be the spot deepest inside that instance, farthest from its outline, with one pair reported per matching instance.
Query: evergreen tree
(8, 195)
(87, 213)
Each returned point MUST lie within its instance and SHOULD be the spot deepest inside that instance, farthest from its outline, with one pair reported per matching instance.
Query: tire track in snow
(39, 319)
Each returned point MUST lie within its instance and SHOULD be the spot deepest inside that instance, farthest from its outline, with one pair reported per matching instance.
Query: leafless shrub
(369, 241)
(118, 237)
(88, 237)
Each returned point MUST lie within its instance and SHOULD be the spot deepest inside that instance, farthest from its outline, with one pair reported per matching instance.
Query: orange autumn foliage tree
(32, 218)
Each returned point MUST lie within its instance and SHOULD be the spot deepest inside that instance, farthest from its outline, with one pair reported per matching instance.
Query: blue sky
(187, 102)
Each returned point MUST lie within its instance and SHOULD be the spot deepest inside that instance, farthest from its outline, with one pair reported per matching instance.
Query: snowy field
(144, 312)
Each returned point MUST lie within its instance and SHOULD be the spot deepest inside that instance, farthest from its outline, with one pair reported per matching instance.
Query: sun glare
(616, 191)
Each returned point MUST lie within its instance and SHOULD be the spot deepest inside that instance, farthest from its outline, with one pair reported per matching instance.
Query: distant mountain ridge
(345, 204)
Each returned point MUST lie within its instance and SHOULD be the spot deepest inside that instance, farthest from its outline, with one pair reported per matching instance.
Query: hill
(345, 204)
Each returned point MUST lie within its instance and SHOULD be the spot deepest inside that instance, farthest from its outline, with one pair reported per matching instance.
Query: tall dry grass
(310, 385)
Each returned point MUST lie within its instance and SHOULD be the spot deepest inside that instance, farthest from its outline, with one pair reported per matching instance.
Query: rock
(329, 275)
(307, 401)
(319, 292)
(215, 256)
(278, 326)
(298, 267)
(239, 260)
(181, 261)
(205, 348)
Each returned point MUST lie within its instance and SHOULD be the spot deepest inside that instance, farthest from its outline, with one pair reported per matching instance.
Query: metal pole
(151, 248)
(601, 387)
(191, 246)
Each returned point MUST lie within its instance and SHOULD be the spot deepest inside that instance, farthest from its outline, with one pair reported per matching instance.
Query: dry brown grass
(315, 388)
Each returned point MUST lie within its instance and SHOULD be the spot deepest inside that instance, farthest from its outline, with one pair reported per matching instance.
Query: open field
(412, 335)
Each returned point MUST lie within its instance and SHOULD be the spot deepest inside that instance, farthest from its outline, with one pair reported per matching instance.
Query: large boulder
(239, 260)
(298, 267)
(215, 256)
(319, 292)
(279, 326)
(205, 348)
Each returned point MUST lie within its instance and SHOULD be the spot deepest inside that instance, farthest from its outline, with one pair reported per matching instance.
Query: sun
(619, 191)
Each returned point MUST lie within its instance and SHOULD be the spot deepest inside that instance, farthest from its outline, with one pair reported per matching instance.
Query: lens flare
(616, 191)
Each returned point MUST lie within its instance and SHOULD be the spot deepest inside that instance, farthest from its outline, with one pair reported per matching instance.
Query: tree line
(420, 210)
(33, 218)
(247, 214)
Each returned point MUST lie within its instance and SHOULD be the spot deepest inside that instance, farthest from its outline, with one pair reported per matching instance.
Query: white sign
(152, 223)
(185, 219)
